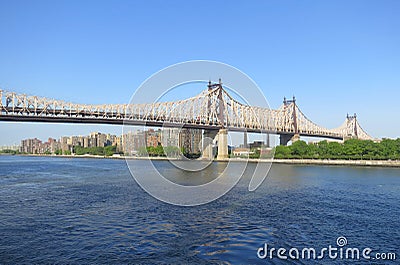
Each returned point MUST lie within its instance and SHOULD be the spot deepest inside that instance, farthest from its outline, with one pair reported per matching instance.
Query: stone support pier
(222, 144)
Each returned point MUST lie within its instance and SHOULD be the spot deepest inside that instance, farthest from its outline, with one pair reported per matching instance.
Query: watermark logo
(341, 241)
(339, 251)
(176, 117)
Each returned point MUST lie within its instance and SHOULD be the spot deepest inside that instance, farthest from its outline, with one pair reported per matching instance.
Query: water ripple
(56, 210)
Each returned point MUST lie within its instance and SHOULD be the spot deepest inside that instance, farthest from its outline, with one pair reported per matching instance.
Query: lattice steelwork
(212, 109)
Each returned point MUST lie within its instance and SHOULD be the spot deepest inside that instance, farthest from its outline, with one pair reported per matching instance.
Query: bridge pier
(295, 138)
(208, 137)
(222, 144)
(285, 138)
(207, 144)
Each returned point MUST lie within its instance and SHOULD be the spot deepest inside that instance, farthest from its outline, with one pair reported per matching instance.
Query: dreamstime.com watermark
(339, 251)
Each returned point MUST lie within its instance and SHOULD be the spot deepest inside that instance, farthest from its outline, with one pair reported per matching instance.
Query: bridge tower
(295, 136)
(208, 135)
(352, 127)
(222, 135)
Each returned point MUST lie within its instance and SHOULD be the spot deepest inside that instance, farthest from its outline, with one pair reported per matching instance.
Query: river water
(91, 211)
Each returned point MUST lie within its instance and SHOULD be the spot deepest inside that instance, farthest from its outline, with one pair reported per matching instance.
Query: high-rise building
(64, 144)
(132, 141)
(190, 140)
(117, 141)
(129, 143)
(153, 138)
(31, 146)
(170, 137)
(54, 145)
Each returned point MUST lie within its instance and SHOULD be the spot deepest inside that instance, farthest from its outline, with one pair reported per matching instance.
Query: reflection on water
(57, 210)
(190, 178)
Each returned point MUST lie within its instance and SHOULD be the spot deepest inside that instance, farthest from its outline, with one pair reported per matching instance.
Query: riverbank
(362, 163)
(324, 162)
(96, 157)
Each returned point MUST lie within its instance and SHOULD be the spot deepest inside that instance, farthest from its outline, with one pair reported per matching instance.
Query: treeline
(352, 149)
(170, 151)
(99, 151)
(9, 152)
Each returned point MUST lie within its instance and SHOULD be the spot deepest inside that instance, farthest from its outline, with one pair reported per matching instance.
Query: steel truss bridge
(213, 109)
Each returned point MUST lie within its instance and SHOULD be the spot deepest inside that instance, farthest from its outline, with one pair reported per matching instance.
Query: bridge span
(213, 110)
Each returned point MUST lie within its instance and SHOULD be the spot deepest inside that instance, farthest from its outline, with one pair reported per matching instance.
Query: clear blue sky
(334, 56)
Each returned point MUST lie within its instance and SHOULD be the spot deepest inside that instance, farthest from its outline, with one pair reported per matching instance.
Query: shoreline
(322, 162)
(328, 162)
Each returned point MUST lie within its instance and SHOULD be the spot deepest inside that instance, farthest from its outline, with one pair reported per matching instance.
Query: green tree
(142, 151)
(67, 152)
(334, 150)
(352, 149)
(299, 149)
(282, 151)
(58, 152)
(172, 151)
(110, 150)
(322, 149)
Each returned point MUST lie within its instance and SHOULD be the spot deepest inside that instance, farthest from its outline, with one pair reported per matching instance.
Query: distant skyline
(336, 57)
(234, 138)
